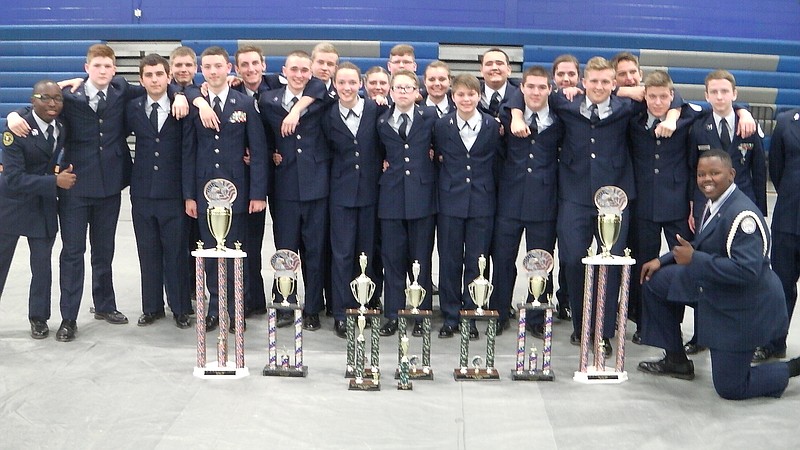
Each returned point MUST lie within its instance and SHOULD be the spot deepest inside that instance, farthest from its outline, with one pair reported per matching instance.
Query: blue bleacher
(40, 63)
(28, 79)
(45, 48)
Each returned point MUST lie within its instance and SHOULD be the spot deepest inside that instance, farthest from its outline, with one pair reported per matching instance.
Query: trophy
(480, 289)
(220, 194)
(538, 263)
(405, 367)
(610, 201)
(285, 263)
(363, 288)
(415, 294)
(359, 382)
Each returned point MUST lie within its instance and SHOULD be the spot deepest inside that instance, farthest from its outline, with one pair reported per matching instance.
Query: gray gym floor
(122, 386)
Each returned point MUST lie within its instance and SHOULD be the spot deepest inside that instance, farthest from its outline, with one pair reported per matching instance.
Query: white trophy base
(214, 253)
(612, 260)
(594, 376)
(213, 371)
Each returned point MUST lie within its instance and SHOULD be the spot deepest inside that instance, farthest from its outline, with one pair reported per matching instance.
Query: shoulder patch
(695, 107)
(8, 138)
(748, 225)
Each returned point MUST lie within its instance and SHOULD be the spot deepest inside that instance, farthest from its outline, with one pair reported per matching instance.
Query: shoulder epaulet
(749, 222)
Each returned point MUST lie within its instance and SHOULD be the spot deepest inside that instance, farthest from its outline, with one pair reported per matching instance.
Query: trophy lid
(220, 191)
(285, 261)
(610, 200)
(538, 260)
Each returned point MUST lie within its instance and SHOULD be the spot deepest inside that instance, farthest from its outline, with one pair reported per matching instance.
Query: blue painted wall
(760, 19)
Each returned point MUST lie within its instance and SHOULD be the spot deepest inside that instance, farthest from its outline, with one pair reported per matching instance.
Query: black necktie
(706, 215)
(494, 104)
(51, 139)
(101, 103)
(401, 130)
(256, 95)
(594, 117)
(154, 116)
(655, 124)
(466, 126)
(292, 102)
(217, 108)
(439, 111)
(534, 125)
(724, 136)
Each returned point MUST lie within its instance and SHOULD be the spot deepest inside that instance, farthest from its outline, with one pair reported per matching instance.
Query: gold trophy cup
(610, 202)
(415, 293)
(480, 289)
(362, 287)
(220, 194)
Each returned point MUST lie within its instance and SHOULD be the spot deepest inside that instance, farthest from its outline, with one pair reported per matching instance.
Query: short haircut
(41, 84)
(347, 65)
(100, 51)
(566, 58)
(536, 71)
(402, 50)
(465, 81)
(299, 54)
(153, 59)
(721, 74)
(324, 47)
(248, 49)
(183, 51)
(376, 69)
(624, 56)
(438, 65)
(658, 78)
(493, 49)
(717, 153)
(597, 63)
(407, 73)
(215, 50)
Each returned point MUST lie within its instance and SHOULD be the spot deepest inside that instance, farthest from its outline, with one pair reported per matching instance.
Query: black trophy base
(351, 372)
(364, 385)
(285, 372)
(473, 374)
(405, 387)
(527, 375)
(426, 373)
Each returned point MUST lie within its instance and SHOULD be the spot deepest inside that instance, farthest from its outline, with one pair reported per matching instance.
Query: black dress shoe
(340, 328)
(375, 303)
(212, 322)
(66, 332)
(693, 349)
(311, 322)
(501, 326)
(389, 328)
(473, 332)
(683, 371)
(637, 338)
(232, 327)
(607, 350)
(536, 331)
(114, 317)
(763, 354)
(149, 318)
(39, 329)
(564, 313)
(284, 318)
(446, 331)
(417, 332)
(574, 339)
(182, 321)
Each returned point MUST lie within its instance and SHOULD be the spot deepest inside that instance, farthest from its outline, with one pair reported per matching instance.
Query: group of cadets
(387, 164)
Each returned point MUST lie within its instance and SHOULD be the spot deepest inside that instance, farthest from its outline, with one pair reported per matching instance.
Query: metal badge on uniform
(232, 101)
(703, 147)
(709, 127)
(238, 117)
(8, 138)
(748, 225)
(34, 132)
